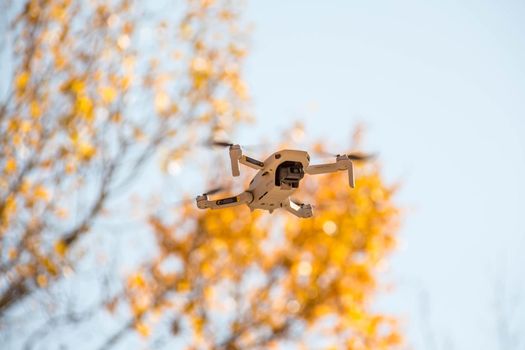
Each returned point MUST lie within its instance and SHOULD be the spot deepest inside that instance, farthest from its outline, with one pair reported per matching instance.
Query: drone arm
(299, 210)
(322, 169)
(342, 163)
(243, 198)
(252, 163)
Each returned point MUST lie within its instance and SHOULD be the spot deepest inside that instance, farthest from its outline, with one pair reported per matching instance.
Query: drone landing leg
(243, 198)
(299, 210)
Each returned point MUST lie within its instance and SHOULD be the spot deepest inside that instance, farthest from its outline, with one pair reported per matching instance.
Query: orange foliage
(271, 278)
(89, 106)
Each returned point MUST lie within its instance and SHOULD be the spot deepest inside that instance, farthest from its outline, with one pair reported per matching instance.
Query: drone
(277, 179)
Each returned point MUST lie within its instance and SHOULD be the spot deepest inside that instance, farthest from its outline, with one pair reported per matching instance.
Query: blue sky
(441, 89)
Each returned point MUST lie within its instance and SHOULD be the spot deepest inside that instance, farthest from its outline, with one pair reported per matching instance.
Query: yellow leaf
(137, 280)
(237, 51)
(198, 324)
(61, 248)
(241, 89)
(183, 286)
(17, 140)
(125, 82)
(35, 109)
(10, 166)
(60, 60)
(162, 101)
(22, 80)
(84, 107)
(58, 12)
(86, 151)
(41, 193)
(138, 134)
(201, 70)
(128, 28)
(25, 186)
(12, 254)
(108, 94)
(12, 125)
(70, 167)
(41, 280)
(78, 86)
(186, 30)
(50, 266)
(25, 126)
(116, 117)
(62, 213)
(142, 329)
(393, 339)
(322, 310)
(9, 205)
(221, 106)
(140, 304)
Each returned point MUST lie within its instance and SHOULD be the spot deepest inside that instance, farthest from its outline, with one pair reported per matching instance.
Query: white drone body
(277, 179)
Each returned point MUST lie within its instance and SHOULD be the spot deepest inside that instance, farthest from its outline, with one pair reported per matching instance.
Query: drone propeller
(352, 156)
(324, 153)
(223, 143)
(207, 193)
(220, 143)
(361, 156)
(214, 190)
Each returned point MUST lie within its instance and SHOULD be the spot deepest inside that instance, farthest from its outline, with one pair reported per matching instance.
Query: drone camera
(289, 173)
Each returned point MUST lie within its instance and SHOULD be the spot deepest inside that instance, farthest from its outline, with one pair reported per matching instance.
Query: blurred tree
(94, 93)
(228, 279)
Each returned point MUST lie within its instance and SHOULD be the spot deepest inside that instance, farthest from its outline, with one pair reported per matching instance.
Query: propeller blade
(324, 154)
(220, 143)
(215, 190)
(361, 156)
(352, 156)
(253, 147)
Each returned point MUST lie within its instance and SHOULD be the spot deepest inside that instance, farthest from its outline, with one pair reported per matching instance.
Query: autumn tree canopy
(99, 93)
(235, 280)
